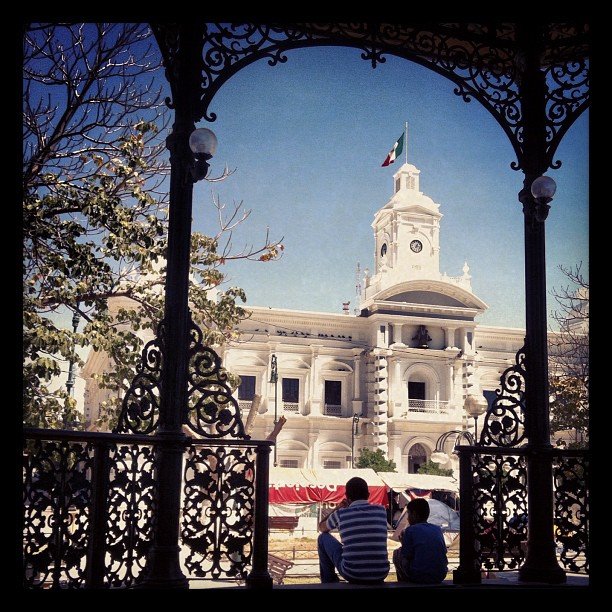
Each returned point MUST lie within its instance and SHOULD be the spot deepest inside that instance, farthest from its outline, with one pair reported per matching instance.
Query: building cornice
(462, 316)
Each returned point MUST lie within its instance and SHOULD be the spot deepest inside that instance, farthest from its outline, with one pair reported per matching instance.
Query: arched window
(416, 458)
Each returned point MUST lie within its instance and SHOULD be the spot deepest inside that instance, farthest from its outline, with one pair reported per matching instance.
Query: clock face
(416, 246)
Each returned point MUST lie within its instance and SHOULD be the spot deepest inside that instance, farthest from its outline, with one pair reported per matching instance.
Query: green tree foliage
(569, 410)
(569, 361)
(95, 213)
(376, 460)
(430, 467)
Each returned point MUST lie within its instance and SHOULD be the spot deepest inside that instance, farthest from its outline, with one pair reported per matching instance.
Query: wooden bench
(278, 567)
(283, 522)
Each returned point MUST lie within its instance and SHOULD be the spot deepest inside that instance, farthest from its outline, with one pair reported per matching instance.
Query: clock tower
(406, 234)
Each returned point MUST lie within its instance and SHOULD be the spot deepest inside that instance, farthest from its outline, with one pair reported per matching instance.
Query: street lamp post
(190, 150)
(540, 561)
(475, 405)
(440, 455)
(354, 432)
(274, 379)
(76, 319)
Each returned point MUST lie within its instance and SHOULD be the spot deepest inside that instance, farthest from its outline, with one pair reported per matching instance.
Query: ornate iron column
(164, 569)
(468, 571)
(541, 562)
(259, 577)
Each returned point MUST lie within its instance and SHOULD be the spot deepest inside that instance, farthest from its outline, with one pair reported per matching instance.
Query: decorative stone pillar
(450, 337)
(398, 389)
(397, 334)
(357, 375)
(380, 415)
(462, 340)
(395, 450)
(313, 449)
(451, 383)
(315, 396)
(473, 345)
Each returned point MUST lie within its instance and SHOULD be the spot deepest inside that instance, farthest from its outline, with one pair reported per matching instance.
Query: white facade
(403, 364)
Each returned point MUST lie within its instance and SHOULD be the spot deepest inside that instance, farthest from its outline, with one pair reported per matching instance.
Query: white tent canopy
(282, 476)
(307, 485)
(403, 481)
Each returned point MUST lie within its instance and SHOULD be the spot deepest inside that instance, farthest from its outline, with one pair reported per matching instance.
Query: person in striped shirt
(361, 556)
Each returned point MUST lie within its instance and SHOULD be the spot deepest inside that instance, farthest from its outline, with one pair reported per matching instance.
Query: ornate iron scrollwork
(500, 503)
(218, 505)
(572, 511)
(212, 411)
(59, 529)
(58, 526)
(130, 510)
(504, 423)
(140, 406)
(483, 60)
(57, 499)
(565, 100)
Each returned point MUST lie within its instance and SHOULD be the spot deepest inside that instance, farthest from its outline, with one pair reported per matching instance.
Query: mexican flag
(395, 152)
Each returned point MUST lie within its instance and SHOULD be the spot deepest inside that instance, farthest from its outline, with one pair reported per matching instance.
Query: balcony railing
(428, 406)
(291, 407)
(333, 410)
(90, 507)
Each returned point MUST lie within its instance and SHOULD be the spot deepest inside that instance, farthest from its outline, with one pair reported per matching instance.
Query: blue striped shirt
(363, 531)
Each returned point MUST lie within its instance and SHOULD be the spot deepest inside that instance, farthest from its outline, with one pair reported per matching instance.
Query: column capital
(314, 350)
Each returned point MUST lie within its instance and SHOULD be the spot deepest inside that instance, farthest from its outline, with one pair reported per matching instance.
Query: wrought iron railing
(89, 508)
(572, 513)
(291, 407)
(494, 509)
(218, 509)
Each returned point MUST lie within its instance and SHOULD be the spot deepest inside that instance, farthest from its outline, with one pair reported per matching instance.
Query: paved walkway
(502, 580)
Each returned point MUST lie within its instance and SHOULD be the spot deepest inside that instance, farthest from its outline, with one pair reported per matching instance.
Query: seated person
(422, 556)
(361, 558)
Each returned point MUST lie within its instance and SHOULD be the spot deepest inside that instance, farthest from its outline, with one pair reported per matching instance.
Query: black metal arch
(533, 78)
(487, 62)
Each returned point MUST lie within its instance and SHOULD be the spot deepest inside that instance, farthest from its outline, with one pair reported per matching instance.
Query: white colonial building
(404, 363)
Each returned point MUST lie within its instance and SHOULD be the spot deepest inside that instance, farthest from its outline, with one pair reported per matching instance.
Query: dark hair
(419, 508)
(357, 488)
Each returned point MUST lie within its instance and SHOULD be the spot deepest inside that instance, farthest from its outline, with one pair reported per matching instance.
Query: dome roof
(407, 195)
(405, 199)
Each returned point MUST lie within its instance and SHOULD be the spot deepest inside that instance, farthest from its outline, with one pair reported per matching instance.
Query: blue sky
(307, 139)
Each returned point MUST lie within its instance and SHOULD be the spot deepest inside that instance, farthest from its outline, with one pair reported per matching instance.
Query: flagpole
(406, 138)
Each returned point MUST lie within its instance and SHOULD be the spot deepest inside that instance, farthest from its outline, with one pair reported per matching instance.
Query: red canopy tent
(309, 486)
